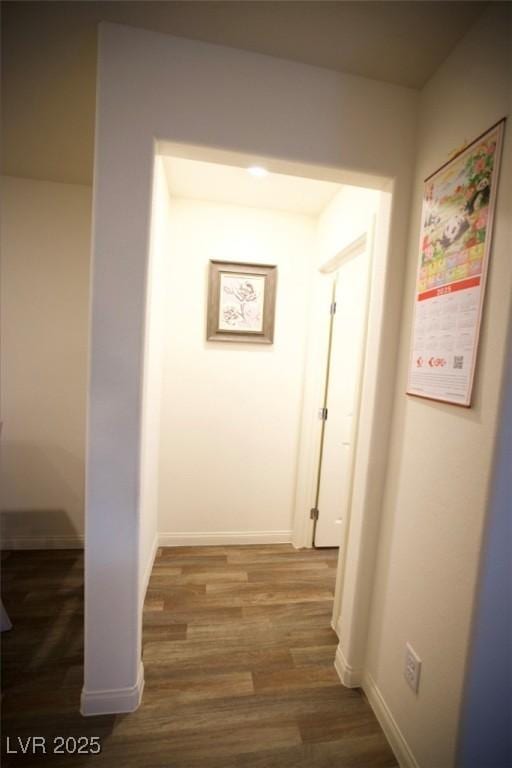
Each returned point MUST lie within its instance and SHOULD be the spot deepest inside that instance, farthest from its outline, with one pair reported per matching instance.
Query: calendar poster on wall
(456, 229)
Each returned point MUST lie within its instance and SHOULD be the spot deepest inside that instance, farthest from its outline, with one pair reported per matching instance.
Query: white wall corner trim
(149, 569)
(42, 542)
(394, 735)
(350, 677)
(224, 538)
(115, 701)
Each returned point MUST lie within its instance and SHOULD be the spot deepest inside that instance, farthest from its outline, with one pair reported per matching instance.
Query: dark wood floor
(238, 656)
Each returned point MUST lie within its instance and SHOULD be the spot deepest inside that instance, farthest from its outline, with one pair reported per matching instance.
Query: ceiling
(199, 180)
(49, 57)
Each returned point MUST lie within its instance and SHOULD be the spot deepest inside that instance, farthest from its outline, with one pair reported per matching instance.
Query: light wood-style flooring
(238, 655)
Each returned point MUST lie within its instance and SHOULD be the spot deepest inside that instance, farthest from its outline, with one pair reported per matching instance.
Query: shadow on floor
(42, 656)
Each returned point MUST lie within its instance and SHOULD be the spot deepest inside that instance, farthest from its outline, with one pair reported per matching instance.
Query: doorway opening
(233, 451)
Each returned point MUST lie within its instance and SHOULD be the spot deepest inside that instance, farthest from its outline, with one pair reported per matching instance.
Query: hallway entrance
(223, 427)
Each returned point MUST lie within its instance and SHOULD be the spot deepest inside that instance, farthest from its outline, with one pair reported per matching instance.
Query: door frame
(352, 251)
(354, 580)
(310, 447)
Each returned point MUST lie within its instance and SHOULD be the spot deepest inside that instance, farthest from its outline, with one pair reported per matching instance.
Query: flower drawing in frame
(241, 302)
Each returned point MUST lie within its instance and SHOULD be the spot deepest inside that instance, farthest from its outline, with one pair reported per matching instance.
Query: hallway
(238, 655)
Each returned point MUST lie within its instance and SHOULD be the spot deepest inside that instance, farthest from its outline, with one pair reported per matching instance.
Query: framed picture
(455, 241)
(241, 302)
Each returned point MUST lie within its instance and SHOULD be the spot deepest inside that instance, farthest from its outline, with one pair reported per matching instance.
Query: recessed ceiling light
(258, 171)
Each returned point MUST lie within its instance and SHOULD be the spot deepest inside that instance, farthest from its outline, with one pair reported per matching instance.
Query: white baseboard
(148, 570)
(394, 735)
(115, 701)
(350, 677)
(224, 538)
(163, 540)
(42, 542)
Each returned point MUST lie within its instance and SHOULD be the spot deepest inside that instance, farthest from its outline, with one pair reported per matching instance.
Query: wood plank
(186, 688)
(333, 727)
(202, 576)
(316, 655)
(268, 594)
(294, 679)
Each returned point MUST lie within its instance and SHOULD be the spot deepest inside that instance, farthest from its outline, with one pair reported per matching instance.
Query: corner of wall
(113, 701)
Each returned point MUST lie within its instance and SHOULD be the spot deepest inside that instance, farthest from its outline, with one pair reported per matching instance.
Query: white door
(343, 379)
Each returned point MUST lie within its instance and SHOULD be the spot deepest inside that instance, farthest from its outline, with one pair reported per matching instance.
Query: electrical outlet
(412, 668)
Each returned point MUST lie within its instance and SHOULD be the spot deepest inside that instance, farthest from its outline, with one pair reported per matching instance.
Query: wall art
(455, 241)
(241, 302)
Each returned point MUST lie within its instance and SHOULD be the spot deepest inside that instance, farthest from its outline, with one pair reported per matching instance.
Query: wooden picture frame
(241, 302)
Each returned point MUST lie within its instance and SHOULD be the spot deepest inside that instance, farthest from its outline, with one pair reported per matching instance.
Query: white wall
(440, 456)
(230, 417)
(160, 248)
(234, 101)
(348, 216)
(45, 241)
